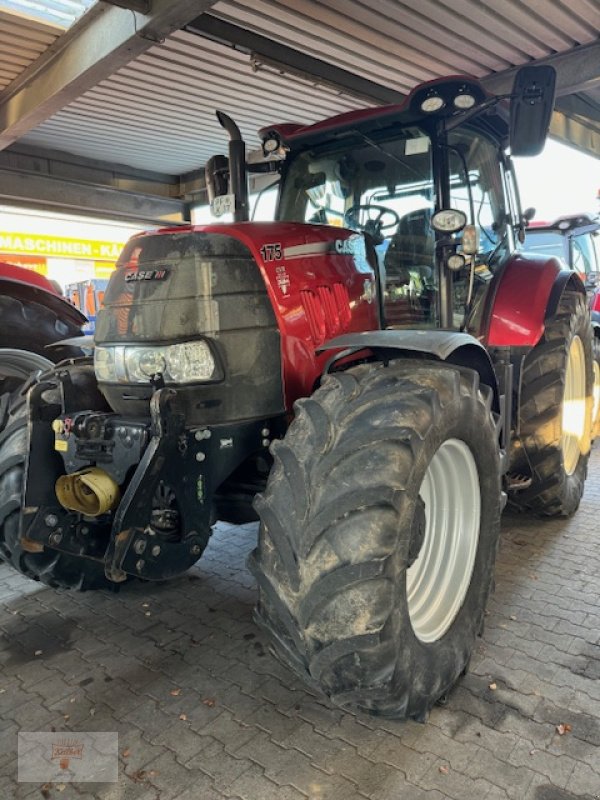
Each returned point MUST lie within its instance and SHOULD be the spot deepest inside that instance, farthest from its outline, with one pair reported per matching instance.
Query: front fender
(453, 347)
(528, 291)
(36, 293)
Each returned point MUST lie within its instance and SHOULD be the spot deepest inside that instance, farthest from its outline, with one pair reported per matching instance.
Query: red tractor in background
(33, 315)
(372, 374)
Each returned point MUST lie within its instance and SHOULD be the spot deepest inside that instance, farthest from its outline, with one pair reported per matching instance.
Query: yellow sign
(103, 269)
(59, 247)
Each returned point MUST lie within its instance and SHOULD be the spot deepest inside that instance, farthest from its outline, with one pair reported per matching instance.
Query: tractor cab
(574, 238)
(387, 187)
(389, 173)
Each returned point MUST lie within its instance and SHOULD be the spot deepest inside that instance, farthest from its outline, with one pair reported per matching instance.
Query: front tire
(51, 567)
(379, 529)
(555, 413)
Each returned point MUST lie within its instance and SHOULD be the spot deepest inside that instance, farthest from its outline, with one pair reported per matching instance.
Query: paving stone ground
(241, 726)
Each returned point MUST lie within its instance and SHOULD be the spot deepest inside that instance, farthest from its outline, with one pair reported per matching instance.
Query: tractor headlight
(187, 362)
(104, 363)
(143, 363)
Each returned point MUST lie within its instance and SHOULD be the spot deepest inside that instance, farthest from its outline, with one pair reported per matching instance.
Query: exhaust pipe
(90, 491)
(237, 167)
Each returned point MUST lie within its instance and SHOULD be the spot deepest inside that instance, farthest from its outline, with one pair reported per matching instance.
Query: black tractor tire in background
(557, 485)
(50, 567)
(345, 515)
(26, 327)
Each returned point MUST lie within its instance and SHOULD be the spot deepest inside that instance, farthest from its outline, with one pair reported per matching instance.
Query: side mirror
(216, 173)
(531, 107)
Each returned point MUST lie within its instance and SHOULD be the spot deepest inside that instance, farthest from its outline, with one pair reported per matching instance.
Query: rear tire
(554, 447)
(359, 521)
(50, 567)
(596, 393)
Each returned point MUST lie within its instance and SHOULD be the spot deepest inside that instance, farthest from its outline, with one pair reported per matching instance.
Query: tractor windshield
(385, 189)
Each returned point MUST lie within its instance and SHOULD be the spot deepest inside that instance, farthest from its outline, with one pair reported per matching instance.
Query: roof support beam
(105, 39)
(264, 50)
(576, 71)
(76, 197)
(66, 166)
(576, 132)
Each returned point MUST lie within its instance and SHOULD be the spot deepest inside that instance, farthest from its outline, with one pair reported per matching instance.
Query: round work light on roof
(433, 102)
(464, 100)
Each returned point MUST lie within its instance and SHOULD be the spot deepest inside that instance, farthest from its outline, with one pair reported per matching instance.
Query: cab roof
(299, 136)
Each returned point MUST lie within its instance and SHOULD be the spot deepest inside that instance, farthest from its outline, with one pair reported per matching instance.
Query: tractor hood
(261, 297)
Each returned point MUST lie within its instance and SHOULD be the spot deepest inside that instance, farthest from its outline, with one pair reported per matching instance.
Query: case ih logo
(146, 275)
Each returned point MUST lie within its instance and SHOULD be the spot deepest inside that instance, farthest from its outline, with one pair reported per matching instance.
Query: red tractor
(33, 315)
(372, 374)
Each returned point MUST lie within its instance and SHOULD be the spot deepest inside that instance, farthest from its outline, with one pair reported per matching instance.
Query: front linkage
(168, 476)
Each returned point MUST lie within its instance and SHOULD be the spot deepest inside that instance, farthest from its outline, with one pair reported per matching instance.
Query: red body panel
(28, 276)
(320, 286)
(520, 301)
(309, 264)
(595, 302)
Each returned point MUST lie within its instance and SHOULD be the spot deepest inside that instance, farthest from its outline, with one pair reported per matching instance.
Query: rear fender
(527, 293)
(451, 347)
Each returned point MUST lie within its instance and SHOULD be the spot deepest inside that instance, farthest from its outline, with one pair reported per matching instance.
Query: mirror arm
(460, 118)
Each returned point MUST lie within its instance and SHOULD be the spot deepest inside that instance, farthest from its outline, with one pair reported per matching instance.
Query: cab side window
(583, 255)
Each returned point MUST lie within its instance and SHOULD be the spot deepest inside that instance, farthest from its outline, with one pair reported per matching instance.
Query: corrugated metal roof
(21, 42)
(404, 42)
(61, 13)
(27, 29)
(158, 112)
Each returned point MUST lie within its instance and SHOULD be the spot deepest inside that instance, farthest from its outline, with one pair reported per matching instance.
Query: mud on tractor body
(372, 374)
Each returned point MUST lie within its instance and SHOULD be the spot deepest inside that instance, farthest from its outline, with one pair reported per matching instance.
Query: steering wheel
(374, 226)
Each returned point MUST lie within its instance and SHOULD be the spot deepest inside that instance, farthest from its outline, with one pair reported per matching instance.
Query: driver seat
(411, 246)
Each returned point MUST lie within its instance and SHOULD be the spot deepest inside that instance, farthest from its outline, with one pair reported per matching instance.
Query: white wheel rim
(596, 392)
(21, 363)
(438, 580)
(573, 410)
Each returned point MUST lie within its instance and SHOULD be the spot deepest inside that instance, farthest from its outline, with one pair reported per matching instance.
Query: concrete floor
(203, 711)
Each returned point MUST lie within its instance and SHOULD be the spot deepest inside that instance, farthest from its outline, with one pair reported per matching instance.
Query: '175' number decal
(271, 252)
